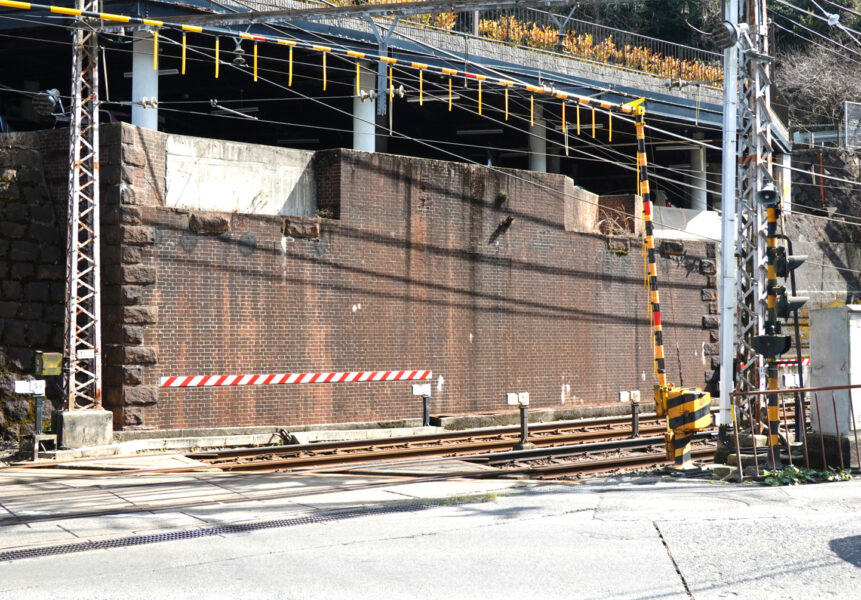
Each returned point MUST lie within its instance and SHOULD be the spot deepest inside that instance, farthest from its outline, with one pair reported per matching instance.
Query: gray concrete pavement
(626, 538)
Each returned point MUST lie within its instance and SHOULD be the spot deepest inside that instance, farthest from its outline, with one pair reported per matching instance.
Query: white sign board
(421, 389)
(523, 398)
(511, 399)
(35, 388)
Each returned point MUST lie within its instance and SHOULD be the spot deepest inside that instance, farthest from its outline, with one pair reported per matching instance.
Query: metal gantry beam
(83, 289)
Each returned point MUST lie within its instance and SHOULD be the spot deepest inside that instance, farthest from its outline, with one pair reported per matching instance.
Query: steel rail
(413, 439)
(472, 452)
(452, 450)
(602, 466)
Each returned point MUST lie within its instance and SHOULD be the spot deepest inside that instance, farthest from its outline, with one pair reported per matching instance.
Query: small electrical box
(48, 363)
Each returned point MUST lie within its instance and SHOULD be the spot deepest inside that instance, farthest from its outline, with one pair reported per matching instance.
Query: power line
(814, 32)
(503, 172)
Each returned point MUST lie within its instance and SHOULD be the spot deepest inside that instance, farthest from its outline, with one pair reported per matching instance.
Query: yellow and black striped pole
(687, 409)
(770, 329)
(654, 296)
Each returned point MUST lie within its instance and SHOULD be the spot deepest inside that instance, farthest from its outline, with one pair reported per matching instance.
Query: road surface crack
(673, 560)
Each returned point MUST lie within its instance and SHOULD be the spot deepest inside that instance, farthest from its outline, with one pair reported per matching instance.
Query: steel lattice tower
(754, 171)
(83, 294)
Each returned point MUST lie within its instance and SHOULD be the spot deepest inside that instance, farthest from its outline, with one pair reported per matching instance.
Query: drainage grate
(139, 540)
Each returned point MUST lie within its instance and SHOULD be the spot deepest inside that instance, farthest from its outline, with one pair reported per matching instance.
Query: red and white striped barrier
(805, 362)
(287, 378)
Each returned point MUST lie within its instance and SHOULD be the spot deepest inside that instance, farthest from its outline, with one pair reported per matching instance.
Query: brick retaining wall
(419, 267)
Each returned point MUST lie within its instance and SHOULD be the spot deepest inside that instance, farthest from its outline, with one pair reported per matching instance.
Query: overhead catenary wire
(505, 172)
(816, 33)
(242, 35)
(607, 151)
(693, 141)
(466, 159)
(592, 156)
(651, 127)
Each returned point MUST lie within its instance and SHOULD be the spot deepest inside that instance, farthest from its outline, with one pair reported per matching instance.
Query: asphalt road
(629, 538)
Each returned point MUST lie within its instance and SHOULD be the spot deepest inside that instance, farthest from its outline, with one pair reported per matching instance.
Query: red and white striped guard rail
(288, 378)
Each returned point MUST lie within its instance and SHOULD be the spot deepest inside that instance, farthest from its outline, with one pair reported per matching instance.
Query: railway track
(447, 444)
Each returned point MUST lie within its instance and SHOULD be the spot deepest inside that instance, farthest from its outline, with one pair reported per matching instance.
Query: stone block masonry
(32, 270)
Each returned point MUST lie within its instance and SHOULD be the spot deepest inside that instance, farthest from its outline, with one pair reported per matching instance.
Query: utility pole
(728, 217)
(83, 288)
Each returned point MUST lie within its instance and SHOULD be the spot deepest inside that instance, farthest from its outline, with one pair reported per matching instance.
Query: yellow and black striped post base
(682, 454)
(688, 410)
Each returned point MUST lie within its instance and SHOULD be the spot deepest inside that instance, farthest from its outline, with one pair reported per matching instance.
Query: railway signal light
(786, 305)
(784, 263)
(771, 346)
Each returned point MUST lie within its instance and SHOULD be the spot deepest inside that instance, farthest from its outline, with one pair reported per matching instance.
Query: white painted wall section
(242, 178)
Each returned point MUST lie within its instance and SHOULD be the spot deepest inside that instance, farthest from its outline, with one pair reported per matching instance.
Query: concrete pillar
(144, 81)
(698, 179)
(364, 114)
(554, 162)
(538, 142)
(714, 179)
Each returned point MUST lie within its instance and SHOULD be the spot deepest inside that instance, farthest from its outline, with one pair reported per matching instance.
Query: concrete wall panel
(216, 175)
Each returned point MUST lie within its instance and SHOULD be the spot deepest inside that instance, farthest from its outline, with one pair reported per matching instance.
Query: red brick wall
(415, 272)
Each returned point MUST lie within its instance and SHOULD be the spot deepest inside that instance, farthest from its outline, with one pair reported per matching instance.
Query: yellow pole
(449, 94)
(506, 103)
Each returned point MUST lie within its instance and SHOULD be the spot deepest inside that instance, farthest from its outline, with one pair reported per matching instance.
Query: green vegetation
(794, 476)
